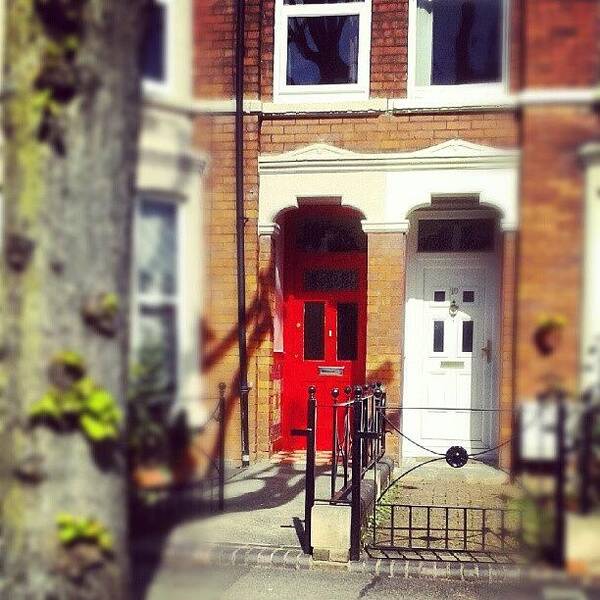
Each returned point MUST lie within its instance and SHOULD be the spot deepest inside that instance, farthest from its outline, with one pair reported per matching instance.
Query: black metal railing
(357, 444)
(589, 456)
(361, 418)
(443, 530)
(154, 507)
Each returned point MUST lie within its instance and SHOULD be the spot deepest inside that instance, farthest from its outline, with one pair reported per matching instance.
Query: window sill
(440, 101)
(338, 103)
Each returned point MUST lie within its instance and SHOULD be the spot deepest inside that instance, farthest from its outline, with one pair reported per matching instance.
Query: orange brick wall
(550, 235)
(387, 133)
(562, 48)
(385, 320)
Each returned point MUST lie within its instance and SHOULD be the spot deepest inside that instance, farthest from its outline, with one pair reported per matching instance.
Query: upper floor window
(322, 50)
(154, 59)
(458, 45)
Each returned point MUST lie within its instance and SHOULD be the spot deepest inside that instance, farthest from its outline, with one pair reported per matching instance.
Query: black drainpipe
(240, 223)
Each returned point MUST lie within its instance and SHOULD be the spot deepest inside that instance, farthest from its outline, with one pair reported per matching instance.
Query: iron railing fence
(589, 454)
(357, 444)
(442, 532)
(154, 507)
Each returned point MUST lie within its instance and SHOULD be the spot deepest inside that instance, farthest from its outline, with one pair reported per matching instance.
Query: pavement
(264, 583)
(264, 507)
(262, 528)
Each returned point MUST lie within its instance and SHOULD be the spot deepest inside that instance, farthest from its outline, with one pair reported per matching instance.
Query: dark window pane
(156, 247)
(347, 331)
(467, 336)
(467, 42)
(438, 336)
(454, 235)
(329, 280)
(468, 296)
(439, 296)
(435, 236)
(476, 235)
(314, 330)
(156, 351)
(153, 47)
(335, 235)
(322, 50)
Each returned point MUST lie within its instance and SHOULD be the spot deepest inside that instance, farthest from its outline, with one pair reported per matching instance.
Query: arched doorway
(325, 311)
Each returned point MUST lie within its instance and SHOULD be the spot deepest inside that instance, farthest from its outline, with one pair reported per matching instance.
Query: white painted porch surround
(386, 187)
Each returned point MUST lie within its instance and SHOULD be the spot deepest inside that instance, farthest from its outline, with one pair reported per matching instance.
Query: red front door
(324, 315)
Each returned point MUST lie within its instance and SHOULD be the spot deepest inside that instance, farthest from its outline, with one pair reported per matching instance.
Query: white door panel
(452, 369)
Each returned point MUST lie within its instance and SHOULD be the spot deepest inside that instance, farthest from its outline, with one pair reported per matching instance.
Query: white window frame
(450, 94)
(341, 92)
(139, 299)
(166, 85)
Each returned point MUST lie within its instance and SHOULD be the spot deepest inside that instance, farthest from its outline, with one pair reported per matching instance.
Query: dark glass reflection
(322, 50)
(314, 330)
(339, 235)
(467, 41)
(438, 336)
(152, 57)
(347, 331)
(439, 296)
(328, 280)
(467, 336)
(454, 235)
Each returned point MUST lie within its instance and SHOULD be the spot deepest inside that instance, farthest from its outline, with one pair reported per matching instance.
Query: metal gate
(525, 521)
(525, 527)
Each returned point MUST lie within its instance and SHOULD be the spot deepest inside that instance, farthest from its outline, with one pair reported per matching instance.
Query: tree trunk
(71, 119)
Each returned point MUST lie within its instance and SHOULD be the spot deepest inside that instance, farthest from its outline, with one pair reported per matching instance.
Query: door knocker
(453, 308)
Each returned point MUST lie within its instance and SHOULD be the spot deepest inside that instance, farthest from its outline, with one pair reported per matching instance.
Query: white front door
(450, 384)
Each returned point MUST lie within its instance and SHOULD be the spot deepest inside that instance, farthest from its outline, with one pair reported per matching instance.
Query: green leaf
(47, 406)
(70, 359)
(67, 534)
(85, 387)
(64, 519)
(105, 541)
(100, 402)
(70, 403)
(96, 430)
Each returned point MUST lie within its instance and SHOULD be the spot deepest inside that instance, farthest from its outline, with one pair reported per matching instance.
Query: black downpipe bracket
(240, 223)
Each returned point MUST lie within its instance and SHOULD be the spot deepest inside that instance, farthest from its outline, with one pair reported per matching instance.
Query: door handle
(487, 350)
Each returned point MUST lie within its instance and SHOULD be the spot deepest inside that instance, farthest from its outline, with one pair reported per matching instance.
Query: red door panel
(324, 333)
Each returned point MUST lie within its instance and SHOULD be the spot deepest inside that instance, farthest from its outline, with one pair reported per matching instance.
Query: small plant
(548, 333)
(73, 530)
(150, 396)
(76, 400)
(101, 312)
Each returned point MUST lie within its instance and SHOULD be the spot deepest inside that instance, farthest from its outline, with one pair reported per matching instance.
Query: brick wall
(557, 44)
(387, 133)
(550, 250)
(561, 48)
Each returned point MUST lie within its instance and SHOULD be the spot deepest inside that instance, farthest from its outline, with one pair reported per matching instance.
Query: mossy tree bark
(71, 119)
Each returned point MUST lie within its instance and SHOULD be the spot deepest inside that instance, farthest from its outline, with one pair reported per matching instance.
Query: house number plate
(335, 371)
